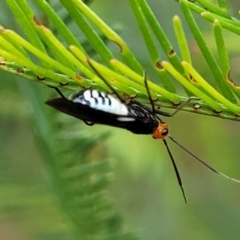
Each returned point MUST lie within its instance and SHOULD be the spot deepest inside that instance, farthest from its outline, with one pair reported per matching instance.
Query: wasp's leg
(58, 91)
(105, 81)
(167, 114)
(89, 123)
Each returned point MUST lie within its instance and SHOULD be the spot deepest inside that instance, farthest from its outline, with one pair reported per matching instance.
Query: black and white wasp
(97, 107)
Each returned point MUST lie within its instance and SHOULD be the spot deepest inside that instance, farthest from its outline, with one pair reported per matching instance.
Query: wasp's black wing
(69, 107)
(90, 115)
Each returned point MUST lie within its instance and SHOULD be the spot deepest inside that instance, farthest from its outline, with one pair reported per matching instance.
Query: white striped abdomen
(100, 101)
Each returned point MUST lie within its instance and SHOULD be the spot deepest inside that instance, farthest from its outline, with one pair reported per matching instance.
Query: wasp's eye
(165, 132)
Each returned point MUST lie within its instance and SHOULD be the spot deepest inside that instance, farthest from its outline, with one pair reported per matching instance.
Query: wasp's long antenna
(165, 142)
(203, 162)
(176, 170)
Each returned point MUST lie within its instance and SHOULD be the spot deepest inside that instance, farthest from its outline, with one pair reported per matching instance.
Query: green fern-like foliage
(49, 53)
(69, 68)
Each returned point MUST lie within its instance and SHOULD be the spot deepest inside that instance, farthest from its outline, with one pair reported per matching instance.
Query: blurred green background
(144, 189)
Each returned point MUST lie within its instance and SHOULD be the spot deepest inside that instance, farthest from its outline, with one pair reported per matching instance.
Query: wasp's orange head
(161, 131)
